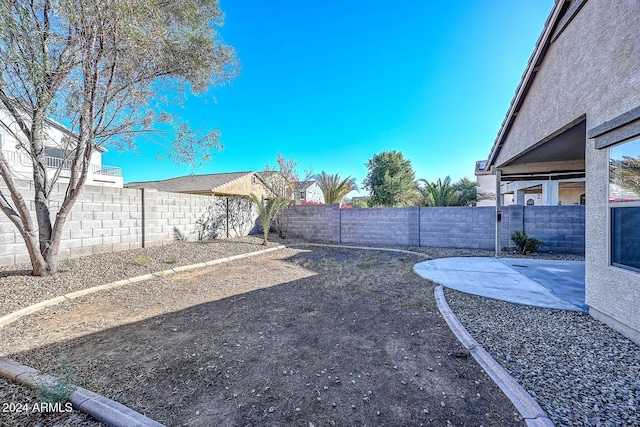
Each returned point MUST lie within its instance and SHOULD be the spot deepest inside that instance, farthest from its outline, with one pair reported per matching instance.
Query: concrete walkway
(540, 283)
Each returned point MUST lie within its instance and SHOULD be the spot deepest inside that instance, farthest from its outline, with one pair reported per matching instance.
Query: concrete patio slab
(539, 283)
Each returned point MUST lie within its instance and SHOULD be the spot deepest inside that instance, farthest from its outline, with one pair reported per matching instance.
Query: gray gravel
(580, 371)
(18, 289)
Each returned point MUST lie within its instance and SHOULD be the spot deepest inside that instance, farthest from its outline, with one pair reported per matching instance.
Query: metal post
(142, 219)
(227, 216)
(498, 174)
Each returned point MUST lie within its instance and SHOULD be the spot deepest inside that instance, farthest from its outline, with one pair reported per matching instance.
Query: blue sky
(330, 83)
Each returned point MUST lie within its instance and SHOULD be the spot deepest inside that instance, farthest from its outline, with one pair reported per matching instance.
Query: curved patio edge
(530, 410)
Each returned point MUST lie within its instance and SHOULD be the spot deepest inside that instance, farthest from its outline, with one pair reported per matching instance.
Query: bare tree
(106, 68)
(281, 181)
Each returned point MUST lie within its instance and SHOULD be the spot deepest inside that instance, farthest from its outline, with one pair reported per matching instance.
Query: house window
(302, 195)
(624, 204)
(253, 180)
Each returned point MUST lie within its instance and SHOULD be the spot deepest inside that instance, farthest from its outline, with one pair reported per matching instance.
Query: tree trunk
(41, 197)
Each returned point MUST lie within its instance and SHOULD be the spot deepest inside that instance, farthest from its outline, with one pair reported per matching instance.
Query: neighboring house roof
(561, 14)
(304, 185)
(192, 183)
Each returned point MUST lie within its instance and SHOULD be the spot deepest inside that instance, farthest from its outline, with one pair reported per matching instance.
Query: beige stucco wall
(244, 186)
(592, 69)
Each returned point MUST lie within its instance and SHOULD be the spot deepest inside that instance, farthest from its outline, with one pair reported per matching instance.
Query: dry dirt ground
(299, 337)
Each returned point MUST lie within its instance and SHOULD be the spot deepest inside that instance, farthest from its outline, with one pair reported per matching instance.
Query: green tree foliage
(104, 68)
(360, 202)
(445, 193)
(390, 179)
(334, 188)
(268, 208)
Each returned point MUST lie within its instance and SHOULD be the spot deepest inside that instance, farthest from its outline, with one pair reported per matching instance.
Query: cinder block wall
(106, 219)
(314, 222)
(560, 227)
(380, 226)
(458, 227)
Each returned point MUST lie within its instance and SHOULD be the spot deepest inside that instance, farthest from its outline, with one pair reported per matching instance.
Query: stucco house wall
(245, 185)
(591, 70)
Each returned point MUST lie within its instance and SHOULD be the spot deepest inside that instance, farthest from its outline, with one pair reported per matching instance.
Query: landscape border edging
(99, 407)
(530, 410)
(116, 414)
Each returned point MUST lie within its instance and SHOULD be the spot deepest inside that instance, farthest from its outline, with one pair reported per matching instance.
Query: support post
(142, 220)
(227, 216)
(498, 174)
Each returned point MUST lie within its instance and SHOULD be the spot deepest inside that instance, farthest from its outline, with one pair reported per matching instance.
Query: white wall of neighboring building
(57, 142)
(315, 194)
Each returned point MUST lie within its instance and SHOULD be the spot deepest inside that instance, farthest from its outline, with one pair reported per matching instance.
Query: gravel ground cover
(18, 289)
(580, 371)
(299, 336)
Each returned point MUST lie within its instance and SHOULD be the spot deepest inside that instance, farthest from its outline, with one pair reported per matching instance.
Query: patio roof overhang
(560, 156)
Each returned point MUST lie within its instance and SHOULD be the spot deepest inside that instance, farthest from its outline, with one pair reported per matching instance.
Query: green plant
(71, 264)
(524, 243)
(172, 259)
(390, 180)
(141, 260)
(53, 390)
(57, 391)
(334, 188)
(268, 208)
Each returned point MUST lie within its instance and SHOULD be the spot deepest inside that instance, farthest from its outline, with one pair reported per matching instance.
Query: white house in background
(308, 191)
(531, 192)
(59, 143)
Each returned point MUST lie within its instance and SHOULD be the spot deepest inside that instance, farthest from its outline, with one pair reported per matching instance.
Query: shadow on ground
(359, 342)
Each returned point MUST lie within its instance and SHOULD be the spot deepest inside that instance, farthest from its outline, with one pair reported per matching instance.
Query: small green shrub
(141, 260)
(172, 259)
(71, 264)
(58, 390)
(524, 243)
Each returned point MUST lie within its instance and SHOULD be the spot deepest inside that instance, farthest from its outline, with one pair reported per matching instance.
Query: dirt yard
(301, 337)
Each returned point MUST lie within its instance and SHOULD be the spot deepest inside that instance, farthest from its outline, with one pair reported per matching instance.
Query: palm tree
(439, 193)
(267, 210)
(333, 188)
(445, 193)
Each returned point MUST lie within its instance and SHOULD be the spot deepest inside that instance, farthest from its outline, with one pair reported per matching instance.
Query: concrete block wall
(12, 248)
(380, 226)
(458, 227)
(107, 219)
(314, 222)
(560, 227)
